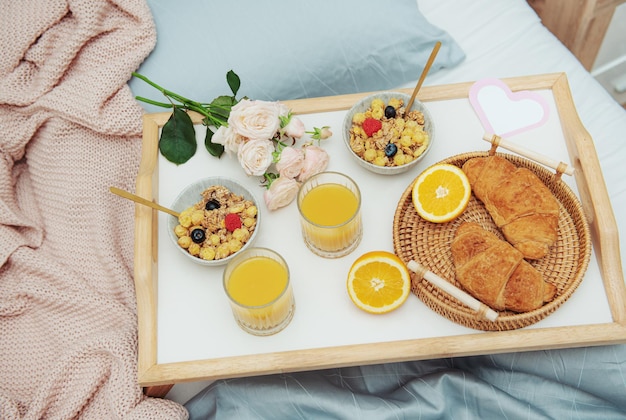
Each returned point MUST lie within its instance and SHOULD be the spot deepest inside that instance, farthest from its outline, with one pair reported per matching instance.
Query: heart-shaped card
(504, 112)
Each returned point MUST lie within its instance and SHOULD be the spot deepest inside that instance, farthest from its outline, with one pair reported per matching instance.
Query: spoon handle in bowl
(429, 63)
(142, 200)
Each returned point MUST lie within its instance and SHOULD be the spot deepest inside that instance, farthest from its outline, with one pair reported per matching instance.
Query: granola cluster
(218, 225)
(388, 135)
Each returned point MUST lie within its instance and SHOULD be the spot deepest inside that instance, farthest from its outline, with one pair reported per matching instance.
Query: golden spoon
(142, 200)
(429, 63)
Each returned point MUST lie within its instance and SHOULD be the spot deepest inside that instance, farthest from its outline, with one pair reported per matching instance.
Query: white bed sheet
(506, 39)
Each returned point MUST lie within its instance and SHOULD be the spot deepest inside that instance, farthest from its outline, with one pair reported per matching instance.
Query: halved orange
(378, 282)
(441, 193)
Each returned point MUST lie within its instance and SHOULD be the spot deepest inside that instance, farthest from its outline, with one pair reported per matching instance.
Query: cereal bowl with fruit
(384, 137)
(218, 217)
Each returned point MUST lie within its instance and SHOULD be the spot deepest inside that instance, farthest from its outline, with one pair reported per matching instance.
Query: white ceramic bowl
(193, 194)
(362, 106)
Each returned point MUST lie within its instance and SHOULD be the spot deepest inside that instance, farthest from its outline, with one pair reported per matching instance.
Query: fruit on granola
(390, 112)
(198, 235)
(232, 222)
(378, 282)
(212, 204)
(371, 125)
(391, 150)
(441, 193)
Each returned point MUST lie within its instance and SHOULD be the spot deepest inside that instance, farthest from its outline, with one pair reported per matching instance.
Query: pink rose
(228, 138)
(281, 192)
(255, 156)
(290, 163)
(294, 129)
(325, 133)
(255, 120)
(315, 161)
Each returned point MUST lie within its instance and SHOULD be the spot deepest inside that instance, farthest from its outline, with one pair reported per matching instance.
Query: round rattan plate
(429, 244)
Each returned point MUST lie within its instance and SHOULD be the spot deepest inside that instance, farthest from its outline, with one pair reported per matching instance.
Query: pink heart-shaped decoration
(504, 112)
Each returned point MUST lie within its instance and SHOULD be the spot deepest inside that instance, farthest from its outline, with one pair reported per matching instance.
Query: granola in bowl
(384, 136)
(219, 217)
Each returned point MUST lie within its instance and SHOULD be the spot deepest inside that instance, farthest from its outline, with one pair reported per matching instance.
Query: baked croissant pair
(527, 213)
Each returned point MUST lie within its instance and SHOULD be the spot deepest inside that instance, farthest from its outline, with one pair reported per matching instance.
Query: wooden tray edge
(373, 353)
(595, 201)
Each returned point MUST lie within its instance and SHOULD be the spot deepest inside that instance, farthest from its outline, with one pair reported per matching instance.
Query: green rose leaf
(233, 81)
(213, 148)
(178, 138)
(220, 107)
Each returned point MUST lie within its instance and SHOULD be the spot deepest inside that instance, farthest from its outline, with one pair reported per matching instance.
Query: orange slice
(378, 282)
(441, 193)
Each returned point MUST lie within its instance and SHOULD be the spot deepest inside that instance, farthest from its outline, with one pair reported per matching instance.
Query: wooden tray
(595, 202)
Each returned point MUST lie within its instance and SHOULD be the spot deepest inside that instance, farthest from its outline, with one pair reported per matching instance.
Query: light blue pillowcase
(285, 49)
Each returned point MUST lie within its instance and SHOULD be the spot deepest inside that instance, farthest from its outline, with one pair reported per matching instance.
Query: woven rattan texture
(429, 244)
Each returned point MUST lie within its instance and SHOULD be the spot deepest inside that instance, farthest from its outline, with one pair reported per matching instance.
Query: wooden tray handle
(482, 310)
(497, 141)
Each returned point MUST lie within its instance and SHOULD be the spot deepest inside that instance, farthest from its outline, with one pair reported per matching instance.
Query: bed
(74, 307)
(500, 40)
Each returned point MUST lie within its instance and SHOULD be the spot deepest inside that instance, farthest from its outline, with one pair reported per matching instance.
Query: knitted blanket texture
(69, 129)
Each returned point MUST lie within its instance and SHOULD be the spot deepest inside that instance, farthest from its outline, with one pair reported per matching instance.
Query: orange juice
(257, 284)
(329, 205)
(257, 281)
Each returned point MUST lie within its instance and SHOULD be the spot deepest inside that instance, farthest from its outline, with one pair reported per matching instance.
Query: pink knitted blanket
(69, 129)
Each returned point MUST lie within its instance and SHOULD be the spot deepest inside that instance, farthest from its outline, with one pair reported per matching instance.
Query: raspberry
(371, 125)
(232, 222)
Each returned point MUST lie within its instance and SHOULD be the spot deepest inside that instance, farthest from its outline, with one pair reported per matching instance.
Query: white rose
(315, 161)
(255, 120)
(282, 192)
(227, 138)
(283, 110)
(290, 163)
(255, 156)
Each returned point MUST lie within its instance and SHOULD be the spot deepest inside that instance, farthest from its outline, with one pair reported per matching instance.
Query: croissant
(495, 273)
(520, 204)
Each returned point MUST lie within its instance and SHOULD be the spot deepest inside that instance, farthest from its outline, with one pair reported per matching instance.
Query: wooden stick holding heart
(504, 114)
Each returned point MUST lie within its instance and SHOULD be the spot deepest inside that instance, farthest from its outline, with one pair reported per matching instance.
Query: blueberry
(390, 112)
(212, 204)
(391, 150)
(198, 235)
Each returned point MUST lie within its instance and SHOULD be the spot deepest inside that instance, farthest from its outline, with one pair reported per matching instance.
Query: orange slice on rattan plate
(441, 193)
(378, 282)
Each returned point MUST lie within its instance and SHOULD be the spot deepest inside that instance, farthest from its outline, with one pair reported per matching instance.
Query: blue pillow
(284, 49)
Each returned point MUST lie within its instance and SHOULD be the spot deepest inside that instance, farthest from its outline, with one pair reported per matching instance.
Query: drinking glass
(258, 287)
(330, 214)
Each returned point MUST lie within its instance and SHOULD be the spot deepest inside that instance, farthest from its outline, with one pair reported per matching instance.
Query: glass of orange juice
(330, 214)
(257, 284)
